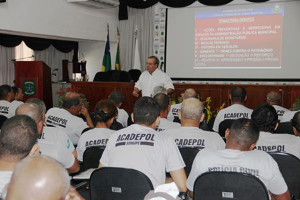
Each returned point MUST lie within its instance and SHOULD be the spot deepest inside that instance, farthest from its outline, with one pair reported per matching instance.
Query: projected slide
(241, 38)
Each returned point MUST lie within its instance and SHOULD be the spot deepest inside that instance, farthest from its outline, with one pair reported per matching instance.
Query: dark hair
(265, 117)
(244, 132)
(68, 103)
(15, 89)
(296, 121)
(117, 97)
(162, 100)
(145, 111)
(105, 110)
(4, 90)
(238, 94)
(156, 61)
(17, 137)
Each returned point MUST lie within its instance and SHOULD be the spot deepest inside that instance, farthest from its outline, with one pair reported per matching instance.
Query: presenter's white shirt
(257, 163)
(143, 149)
(280, 111)
(235, 111)
(148, 82)
(94, 137)
(175, 108)
(288, 116)
(70, 124)
(4, 179)
(286, 143)
(165, 124)
(7, 109)
(122, 117)
(187, 136)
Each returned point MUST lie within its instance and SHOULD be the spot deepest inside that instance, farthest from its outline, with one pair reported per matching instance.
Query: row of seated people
(191, 115)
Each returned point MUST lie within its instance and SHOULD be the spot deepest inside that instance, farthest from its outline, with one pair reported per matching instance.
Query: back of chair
(285, 127)
(229, 185)
(110, 183)
(224, 125)
(102, 76)
(289, 166)
(2, 120)
(135, 74)
(91, 157)
(188, 154)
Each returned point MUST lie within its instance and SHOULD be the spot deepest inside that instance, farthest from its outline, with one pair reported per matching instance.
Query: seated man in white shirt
(237, 110)
(273, 98)
(189, 134)
(18, 139)
(239, 157)
(288, 116)
(163, 102)
(67, 119)
(141, 148)
(118, 98)
(266, 118)
(6, 97)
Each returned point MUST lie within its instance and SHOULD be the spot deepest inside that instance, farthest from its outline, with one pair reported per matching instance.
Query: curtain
(23, 52)
(143, 19)
(53, 58)
(7, 68)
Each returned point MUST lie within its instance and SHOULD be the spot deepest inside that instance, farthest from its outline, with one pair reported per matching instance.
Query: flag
(137, 60)
(106, 62)
(118, 60)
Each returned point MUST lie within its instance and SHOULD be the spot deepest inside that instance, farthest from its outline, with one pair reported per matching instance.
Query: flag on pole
(118, 60)
(106, 62)
(137, 60)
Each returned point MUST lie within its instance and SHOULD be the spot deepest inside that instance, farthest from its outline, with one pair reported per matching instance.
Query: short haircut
(274, 97)
(162, 100)
(145, 111)
(159, 89)
(17, 137)
(38, 102)
(117, 97)
(244, 132)
(4, 91)
(189, 93)
(15, 89)
(68, 103)
(105, 110)
(156, 61)
(31, 110)
(192, 108)
(238, 94)
(296, 121)
(265, 117)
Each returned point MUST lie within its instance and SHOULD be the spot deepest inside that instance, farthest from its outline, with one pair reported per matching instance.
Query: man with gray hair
(273, 98)
(175, 108)
(189, 134)
(52, 141)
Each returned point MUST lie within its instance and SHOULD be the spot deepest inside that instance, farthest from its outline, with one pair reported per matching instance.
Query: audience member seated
(18, 139)
(141, 148)
(273, 98)
(104, 116)
(175, 108)
(66, 118)
(18, 97)
(163, 102)
(266, 118)
(40, 177)
(159, 89)
(296, 124)
(52, 141)
(237, 110)
(239, 157)
(189, 134)
(6, 97)
(118, 98)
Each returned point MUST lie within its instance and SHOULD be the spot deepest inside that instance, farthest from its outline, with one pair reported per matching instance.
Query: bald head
(31, 110)
(273, 98)
(191, 109)
(189, 93)
(36, 177)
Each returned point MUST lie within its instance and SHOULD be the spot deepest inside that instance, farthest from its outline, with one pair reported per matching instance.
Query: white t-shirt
(280, 111)
(4, 179)
(175, 108)
(148, 82)
(186, 136)
(122, 117)
(165, 124)
(288, 116)
(279, 143)
(16, 104)
(70, 124)
(94, 137)
(143, 149)
(235, 111)
(257, 163)
(7, 109)
(56, 144)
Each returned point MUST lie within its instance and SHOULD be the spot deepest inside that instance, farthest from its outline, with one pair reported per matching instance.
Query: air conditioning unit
(97, 3)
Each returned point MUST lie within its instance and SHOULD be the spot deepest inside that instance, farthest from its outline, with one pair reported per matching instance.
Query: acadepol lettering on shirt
(279, 148)
(135, 139)
(99, 142)
(190, 142)
(175, 111)
(235, 115)
(57, 121)
(4, 109)
(280, 113)
(229, 168)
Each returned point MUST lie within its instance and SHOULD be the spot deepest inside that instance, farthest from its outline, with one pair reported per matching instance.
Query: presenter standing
(151, 78)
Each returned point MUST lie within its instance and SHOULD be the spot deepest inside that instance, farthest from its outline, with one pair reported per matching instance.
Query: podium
(34, 78)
